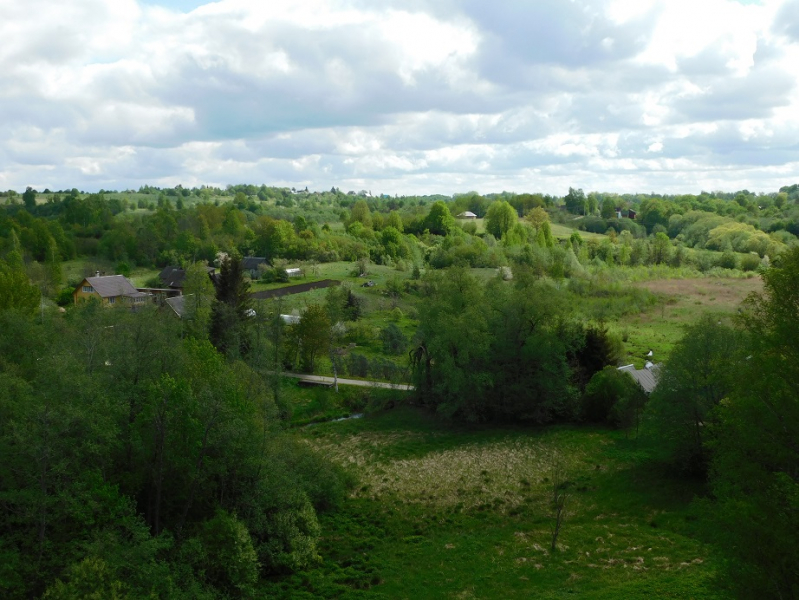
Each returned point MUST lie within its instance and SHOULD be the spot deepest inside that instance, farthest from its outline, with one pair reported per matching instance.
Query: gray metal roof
(174, 277)
(178, 304)
(110, 286)
(250, 263)
(647, 377)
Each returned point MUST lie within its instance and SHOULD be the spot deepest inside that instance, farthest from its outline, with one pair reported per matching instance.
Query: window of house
(88, 289)
(112, 299)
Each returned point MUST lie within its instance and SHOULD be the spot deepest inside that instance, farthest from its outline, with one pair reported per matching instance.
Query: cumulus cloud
(401, 97)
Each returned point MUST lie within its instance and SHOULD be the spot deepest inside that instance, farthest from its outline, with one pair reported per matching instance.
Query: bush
(65, 297)
(289, 537)
(90, 578)
(750, 262)
(358, 365)
(154, 282)
(612, 397)
(728, 260)
(123, 268)
(228, 555)
(394, 341)
(275, 275)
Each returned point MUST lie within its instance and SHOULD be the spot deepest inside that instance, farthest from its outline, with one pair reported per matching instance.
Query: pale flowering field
(443, 512)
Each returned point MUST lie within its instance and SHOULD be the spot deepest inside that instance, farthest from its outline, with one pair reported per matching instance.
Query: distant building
(178, 304)
(251, 264)
(109, 290)
(173, 277)
(647, 377)
(467, 215)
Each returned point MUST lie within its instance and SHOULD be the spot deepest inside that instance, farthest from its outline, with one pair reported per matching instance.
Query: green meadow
(438, 510)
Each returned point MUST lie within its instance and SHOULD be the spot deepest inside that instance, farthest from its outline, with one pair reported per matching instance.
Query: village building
(109, 290)
(173, 277)
(253, 265)
(647, 377)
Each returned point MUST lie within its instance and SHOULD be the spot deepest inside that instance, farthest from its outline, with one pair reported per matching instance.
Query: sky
(401, 97)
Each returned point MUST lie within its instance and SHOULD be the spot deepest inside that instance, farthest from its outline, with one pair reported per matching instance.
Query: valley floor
(465, 512)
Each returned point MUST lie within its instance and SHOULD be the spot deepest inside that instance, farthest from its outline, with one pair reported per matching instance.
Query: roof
(178, 304)
(250, 263)
(173, 276)
(467, 215)
(647, 377)
(110, 286)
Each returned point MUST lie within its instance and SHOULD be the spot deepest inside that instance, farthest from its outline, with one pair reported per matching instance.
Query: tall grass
(465, 512)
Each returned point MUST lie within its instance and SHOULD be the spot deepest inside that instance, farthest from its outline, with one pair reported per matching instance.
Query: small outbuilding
(252, 264)
(173, 277)
(647, 377)
(467, 214)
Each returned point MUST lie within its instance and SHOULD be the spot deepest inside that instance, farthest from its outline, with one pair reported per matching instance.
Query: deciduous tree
(500, 218)
(699, 374)
(755, 473)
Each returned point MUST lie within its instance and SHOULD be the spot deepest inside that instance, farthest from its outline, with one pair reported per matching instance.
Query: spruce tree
(231, 310)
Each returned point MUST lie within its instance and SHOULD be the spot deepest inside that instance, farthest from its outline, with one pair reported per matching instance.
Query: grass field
(465, 512)
(563, 232)
(682, 301)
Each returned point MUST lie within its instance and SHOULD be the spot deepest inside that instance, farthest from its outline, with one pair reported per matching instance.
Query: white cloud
(428, 96)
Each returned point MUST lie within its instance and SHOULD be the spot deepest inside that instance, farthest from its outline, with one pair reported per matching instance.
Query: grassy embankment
(441, 511)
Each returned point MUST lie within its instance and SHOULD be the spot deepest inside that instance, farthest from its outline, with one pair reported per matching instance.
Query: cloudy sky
(401, 97)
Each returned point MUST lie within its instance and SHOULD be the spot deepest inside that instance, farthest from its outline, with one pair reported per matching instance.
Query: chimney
(97, 273)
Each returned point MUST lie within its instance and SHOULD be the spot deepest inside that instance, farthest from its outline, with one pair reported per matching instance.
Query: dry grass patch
(711, 293)
(499, 475)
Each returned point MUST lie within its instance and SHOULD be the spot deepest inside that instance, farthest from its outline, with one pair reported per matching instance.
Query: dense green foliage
(148, 456)
(503, 351)
(755, 469)
(141, 463)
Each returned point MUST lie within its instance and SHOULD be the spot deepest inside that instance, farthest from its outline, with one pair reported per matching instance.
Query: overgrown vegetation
(147, 455)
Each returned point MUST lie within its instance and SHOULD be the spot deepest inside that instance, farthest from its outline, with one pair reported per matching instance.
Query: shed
(647, 377)
(252, 263)
(173, 277)
(178, 304)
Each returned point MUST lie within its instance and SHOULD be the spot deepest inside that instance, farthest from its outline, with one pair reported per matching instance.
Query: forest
(154, 454)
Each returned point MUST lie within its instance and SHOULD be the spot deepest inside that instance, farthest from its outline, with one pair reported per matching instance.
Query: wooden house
(110, 290)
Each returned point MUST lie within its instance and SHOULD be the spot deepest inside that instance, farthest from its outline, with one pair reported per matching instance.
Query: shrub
(394, 341)
(289, 537)
(90, 578)
(228, 555)
(64, 297)
(611, 397)
(750, 262)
